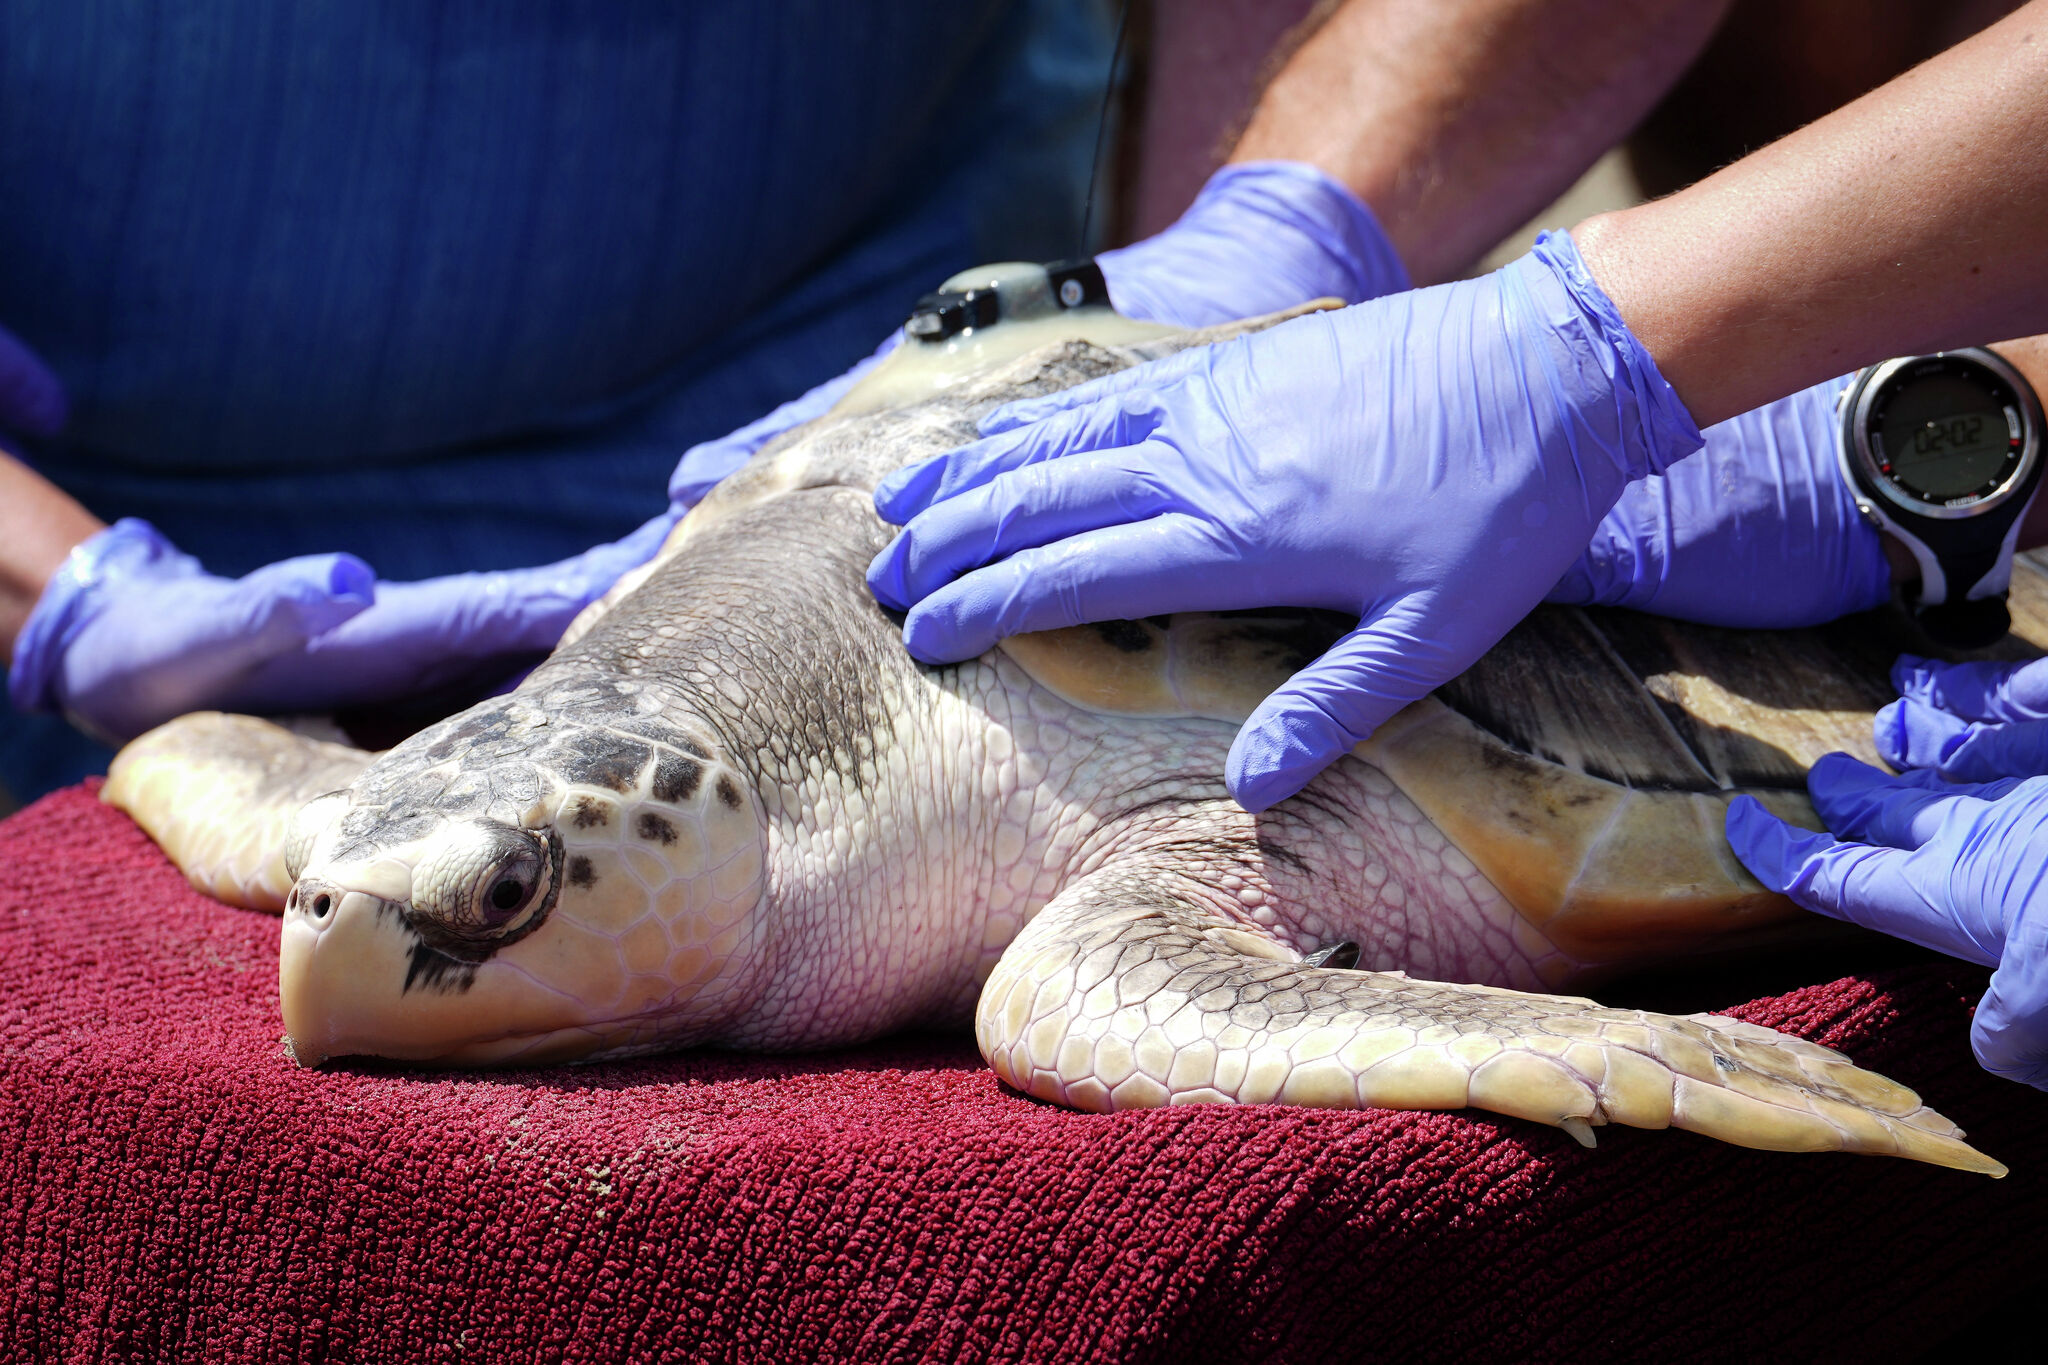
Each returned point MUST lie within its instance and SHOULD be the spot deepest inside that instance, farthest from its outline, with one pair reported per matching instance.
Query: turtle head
(524, 883)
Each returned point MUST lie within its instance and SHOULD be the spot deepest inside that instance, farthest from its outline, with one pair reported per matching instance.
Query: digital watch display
(1944, 452)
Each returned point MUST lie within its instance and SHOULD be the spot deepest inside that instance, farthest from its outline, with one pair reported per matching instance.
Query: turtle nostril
(322, 903)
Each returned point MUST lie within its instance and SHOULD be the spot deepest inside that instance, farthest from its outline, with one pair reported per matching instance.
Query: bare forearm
(1455, 120)
(1909, 221)
(38, 526)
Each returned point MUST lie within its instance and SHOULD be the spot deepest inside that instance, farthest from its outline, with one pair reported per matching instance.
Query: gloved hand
(1432, 461)
(1261, 236)
(1959, 869)
(31, 399)
(1758, 529)
(130, 632)
(1968, 722)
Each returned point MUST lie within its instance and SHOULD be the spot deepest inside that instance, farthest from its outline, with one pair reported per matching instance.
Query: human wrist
(1697, 307)
(1656, 427)
(129, 547)
(39, 525)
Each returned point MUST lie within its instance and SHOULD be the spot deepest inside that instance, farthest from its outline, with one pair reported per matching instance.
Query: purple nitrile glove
(1968, 722)
(1432, 461)
(1959, 869)
(31, 399)
(421, 636)
(1758, 529)
(130, 632)
(1260, 237)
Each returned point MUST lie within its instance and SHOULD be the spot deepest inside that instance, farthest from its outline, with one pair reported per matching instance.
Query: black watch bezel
(1881, 385)
(1963, 543)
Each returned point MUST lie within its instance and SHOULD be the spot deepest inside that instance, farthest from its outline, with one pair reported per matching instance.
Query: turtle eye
(508, 895)
(482, 886)
(507, 886)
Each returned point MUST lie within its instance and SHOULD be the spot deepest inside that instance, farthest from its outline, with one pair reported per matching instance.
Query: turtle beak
(355, 980)
(340, 960)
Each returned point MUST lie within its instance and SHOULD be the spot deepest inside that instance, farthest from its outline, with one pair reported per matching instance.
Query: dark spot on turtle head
(434, 970)
(656, 828)
(675, 778)
(605, 760)
(1127, 637)
(727, 792)
(588, 813)
(581, 873)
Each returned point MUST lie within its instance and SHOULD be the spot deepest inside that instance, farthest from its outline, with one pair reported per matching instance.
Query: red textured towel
(176, 1189)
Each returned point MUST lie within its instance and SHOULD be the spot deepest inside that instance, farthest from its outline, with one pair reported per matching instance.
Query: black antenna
(1116, 53)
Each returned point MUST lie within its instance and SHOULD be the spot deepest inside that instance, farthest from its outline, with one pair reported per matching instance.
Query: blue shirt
(451, 284)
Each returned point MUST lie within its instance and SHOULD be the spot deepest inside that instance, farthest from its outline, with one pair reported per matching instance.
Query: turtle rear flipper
(1126, 993)
(220, 794)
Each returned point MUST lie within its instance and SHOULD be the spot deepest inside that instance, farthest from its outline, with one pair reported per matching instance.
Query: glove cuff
(1262, 235)
(1360, 261)
(1657, 430)
(129, 547)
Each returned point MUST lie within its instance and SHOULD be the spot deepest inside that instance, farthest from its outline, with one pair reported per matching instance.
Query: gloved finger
(915, 488)
(1891, 890)
(1156, 374)
(290, 602)
(703, 465)
(1975, 691)
(1020, 510)
(1315, 717)
(1107, 575)
(1871, 806)
(31, 398)
(1984, 753)
(412, 641)
(1909, 733)
(1930, 779)
(190, 643)
(2010, 1031)
(422, 635)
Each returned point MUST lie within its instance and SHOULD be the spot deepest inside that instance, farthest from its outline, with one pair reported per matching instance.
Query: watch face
(1946, 431)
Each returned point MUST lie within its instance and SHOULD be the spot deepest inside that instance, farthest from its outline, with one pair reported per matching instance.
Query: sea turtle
(730, 810)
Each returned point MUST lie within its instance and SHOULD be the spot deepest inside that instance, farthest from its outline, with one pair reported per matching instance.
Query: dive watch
(1943, 452)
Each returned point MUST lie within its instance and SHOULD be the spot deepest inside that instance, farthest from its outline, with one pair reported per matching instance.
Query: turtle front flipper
(221, 793)
(1127, 993)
